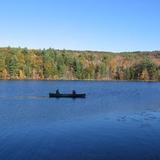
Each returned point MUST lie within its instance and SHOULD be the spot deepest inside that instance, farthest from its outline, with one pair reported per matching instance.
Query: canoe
(54, 95)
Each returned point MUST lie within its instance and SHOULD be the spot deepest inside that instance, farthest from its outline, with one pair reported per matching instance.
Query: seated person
(74, 92)
(57, 91)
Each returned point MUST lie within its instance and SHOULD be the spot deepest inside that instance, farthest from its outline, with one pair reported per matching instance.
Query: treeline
(51, 64)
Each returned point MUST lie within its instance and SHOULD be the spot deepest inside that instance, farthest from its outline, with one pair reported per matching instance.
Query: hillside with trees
(51, 64)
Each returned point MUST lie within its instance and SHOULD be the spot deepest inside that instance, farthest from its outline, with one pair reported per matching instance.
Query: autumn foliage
(51, 64)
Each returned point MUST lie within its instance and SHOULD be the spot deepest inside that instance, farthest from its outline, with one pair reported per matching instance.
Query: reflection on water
(117, 120)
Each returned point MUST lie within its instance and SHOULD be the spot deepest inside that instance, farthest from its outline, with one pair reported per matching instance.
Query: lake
(116, 121)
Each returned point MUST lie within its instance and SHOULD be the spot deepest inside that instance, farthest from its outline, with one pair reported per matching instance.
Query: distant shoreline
(50, 64)
(38, 80)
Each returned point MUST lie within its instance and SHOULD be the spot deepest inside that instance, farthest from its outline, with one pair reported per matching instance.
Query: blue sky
(108, 25)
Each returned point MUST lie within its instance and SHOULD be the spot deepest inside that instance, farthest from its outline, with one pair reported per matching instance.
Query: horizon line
(79, 50)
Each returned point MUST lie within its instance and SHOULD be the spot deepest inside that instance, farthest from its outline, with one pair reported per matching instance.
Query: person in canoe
(57, 92)
(74, 92)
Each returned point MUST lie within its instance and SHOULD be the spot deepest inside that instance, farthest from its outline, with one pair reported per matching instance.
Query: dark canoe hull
(53, 95)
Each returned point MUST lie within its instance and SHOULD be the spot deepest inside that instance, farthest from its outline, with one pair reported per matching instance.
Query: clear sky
(108, 25)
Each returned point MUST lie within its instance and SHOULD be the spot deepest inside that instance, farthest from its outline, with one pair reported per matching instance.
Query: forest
(54, 64)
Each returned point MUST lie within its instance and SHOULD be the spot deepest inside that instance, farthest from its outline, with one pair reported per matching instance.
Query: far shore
(86, 80)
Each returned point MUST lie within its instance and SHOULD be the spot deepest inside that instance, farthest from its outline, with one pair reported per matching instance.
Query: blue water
(116, 121)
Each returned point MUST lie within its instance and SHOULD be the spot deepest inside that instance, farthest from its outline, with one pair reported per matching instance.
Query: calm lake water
(117, 121)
